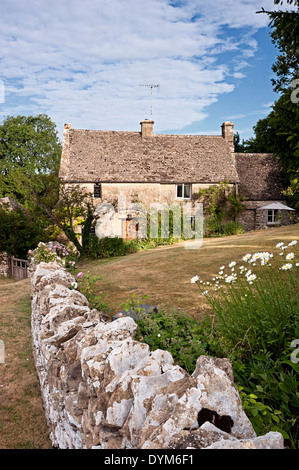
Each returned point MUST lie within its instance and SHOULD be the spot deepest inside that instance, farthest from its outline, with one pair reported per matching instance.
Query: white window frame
(181, 198)
(273, 216)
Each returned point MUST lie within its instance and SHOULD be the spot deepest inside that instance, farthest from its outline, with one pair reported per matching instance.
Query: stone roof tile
(116, 156)
(260, 176)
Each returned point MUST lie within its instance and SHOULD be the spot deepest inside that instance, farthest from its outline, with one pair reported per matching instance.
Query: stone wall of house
(254, 219)
(146, 193)
(103, 389)
(4, 264)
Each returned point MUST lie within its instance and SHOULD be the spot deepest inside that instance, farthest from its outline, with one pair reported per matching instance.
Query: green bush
(183, 336)
(215, 227)
(19, 233)
(87, 285)
(108, 247)
(233, 228)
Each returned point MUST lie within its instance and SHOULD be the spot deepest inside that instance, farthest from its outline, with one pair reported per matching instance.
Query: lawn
(22, 419)
(162, 273)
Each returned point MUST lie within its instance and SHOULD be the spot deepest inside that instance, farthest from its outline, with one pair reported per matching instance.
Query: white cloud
(83, 62)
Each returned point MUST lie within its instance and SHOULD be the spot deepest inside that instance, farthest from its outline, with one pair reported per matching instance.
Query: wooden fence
(19, 268)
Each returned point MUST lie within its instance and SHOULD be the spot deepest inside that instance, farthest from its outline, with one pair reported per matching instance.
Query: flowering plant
(87, 286)
(256, 303)
(54, 251)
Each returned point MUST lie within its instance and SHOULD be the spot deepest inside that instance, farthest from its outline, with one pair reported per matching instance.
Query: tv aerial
(151, 87)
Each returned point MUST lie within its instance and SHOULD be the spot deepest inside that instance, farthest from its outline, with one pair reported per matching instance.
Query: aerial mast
(151, 87)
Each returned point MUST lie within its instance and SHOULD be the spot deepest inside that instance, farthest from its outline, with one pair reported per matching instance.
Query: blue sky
(83, 63)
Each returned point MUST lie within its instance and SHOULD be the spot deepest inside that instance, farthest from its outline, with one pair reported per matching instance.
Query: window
(183, 191)
(97, 193)
(272, 216)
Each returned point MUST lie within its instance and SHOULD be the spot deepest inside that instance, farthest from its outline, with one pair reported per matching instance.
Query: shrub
(183, 336)
(233, 228)
(256, 312)
(54, 251)
(87, 285)
(19, 233)
(108, 247)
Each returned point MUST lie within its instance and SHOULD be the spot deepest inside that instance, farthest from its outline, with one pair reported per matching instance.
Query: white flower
(221, 268)
(292, 243)
(220, 272)
(287, 266)
(194, 279)
(74, 285)
(158, 335)
(290, 256)
(230, 278)
(279, 245)
(251, 278)
(255, 256)
(233, 263)
(246, 257)
(205, 292)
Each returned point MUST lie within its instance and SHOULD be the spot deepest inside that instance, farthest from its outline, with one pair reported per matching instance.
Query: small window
(272, 216)
(92, 231)
(97, 193)
(183, 191)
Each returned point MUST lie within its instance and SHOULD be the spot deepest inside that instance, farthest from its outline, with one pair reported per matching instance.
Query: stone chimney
(228, 134)
(147, 128)
(65, 154)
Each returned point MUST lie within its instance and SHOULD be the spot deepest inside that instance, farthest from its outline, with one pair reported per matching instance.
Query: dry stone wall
(103, 389)
(4, 264)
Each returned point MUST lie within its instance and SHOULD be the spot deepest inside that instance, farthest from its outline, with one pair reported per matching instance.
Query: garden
(249, 314)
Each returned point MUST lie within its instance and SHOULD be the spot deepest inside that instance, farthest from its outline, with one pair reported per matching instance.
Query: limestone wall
(4, 264)
(103, 389)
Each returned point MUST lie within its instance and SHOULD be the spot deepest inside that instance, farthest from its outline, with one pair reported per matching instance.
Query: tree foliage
(285, 35)
(19, 233)
(278, 133)
(30, 153)
(29, 148)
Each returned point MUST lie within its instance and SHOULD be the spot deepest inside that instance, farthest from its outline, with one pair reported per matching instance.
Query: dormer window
(97, 192)
(183, 191)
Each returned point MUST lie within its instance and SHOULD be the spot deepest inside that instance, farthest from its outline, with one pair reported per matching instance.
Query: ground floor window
(183, 191)
(272, 216)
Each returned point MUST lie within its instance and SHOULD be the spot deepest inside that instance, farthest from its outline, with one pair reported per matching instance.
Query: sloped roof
(260, 176)
(115, 156)
(277, 206)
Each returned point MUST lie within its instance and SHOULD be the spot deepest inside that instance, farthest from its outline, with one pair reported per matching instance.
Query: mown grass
(162, 273)
(22, 418)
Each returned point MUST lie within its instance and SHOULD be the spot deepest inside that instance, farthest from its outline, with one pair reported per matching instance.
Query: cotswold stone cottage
(170, 168)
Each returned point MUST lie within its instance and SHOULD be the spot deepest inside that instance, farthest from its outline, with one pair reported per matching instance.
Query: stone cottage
(158, 168)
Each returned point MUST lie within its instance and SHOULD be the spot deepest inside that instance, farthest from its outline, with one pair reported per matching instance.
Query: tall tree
(29, 162)
(29, 148)
(285, 36)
